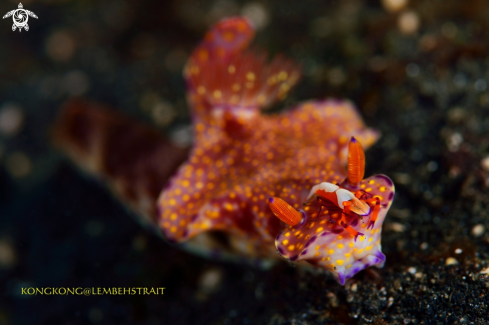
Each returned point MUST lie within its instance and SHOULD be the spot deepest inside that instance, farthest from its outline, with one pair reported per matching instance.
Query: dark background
(418, 74)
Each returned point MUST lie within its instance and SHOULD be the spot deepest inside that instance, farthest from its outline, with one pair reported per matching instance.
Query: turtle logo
(20, 16)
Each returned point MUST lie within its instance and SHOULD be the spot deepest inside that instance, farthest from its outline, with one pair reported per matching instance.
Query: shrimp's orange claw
(375, 211)
(352, 231)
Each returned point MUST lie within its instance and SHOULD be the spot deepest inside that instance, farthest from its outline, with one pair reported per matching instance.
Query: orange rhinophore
(285, 211)
(356, 162)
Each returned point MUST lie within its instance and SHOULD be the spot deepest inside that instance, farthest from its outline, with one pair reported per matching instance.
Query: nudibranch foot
(333, 238)
(135, 160)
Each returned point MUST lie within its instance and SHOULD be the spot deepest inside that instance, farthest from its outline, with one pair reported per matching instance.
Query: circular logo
(20, 18)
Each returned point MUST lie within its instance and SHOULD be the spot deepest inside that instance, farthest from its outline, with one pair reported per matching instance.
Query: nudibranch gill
(340, 226)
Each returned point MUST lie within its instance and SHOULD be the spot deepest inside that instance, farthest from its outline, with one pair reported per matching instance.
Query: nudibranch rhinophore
(340, 226)
(216, 202)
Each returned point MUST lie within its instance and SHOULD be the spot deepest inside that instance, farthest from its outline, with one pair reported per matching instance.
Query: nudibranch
(241, 157)
(340, 226)
(216, 202)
